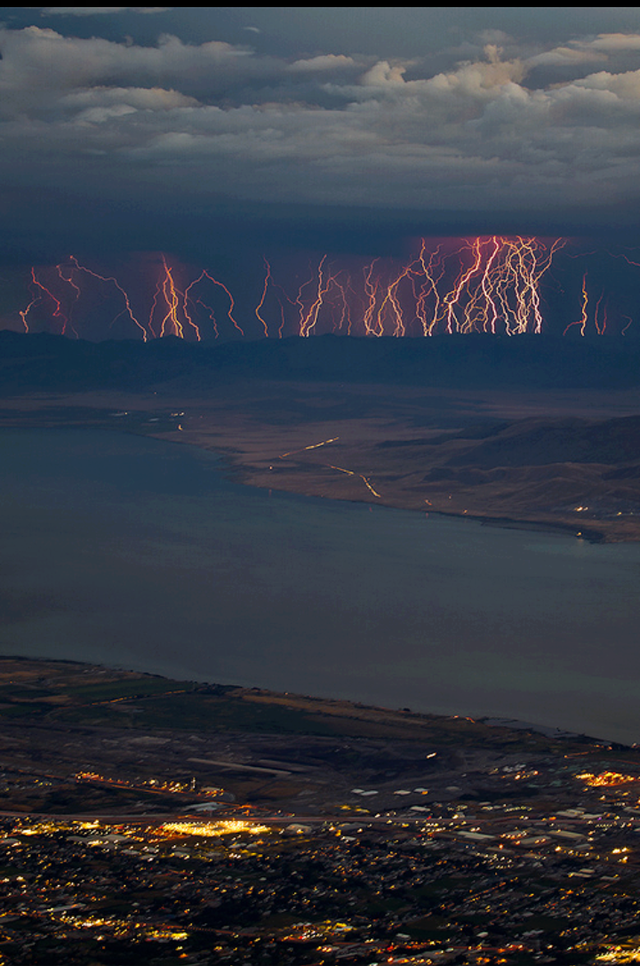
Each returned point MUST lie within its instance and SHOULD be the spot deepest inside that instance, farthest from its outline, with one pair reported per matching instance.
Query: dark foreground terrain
(146, 820)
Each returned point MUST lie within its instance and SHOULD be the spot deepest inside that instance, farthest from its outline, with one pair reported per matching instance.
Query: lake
(133, 552)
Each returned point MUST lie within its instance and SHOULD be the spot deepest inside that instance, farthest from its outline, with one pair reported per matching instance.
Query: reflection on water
(133, 552)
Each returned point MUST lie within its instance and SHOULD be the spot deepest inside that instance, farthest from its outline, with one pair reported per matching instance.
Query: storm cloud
(491, 124)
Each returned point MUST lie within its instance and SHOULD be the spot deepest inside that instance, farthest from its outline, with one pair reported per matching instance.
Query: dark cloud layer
(122, 127)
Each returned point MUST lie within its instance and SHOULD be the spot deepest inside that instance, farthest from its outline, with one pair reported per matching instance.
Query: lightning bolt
(582, 321)
(263, 297)
(114, 281)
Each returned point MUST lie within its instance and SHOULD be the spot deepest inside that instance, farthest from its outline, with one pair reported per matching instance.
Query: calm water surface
(133, 552)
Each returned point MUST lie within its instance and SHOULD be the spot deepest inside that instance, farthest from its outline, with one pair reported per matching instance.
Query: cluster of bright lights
(153, 784)
(176, 935)
(302, 931)
(46, 828)
(606, 779)
(620, 954)
(158, 784)
(214, 829)
(121, 927)
(90, 922)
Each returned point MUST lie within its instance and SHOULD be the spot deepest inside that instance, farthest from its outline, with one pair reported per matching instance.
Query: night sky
(223, 135)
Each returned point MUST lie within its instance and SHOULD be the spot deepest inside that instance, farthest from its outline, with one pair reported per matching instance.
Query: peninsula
(474, 428)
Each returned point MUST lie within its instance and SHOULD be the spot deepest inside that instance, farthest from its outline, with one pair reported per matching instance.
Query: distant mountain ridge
(44, 362)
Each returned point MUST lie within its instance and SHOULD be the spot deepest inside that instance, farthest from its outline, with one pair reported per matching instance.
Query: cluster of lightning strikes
(74, 291)
(489, 284)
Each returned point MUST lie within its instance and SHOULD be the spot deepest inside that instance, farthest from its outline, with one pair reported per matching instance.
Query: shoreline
(335, 706)
(264, 443)
(236, 473)
(618, 726)
(340, 706)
